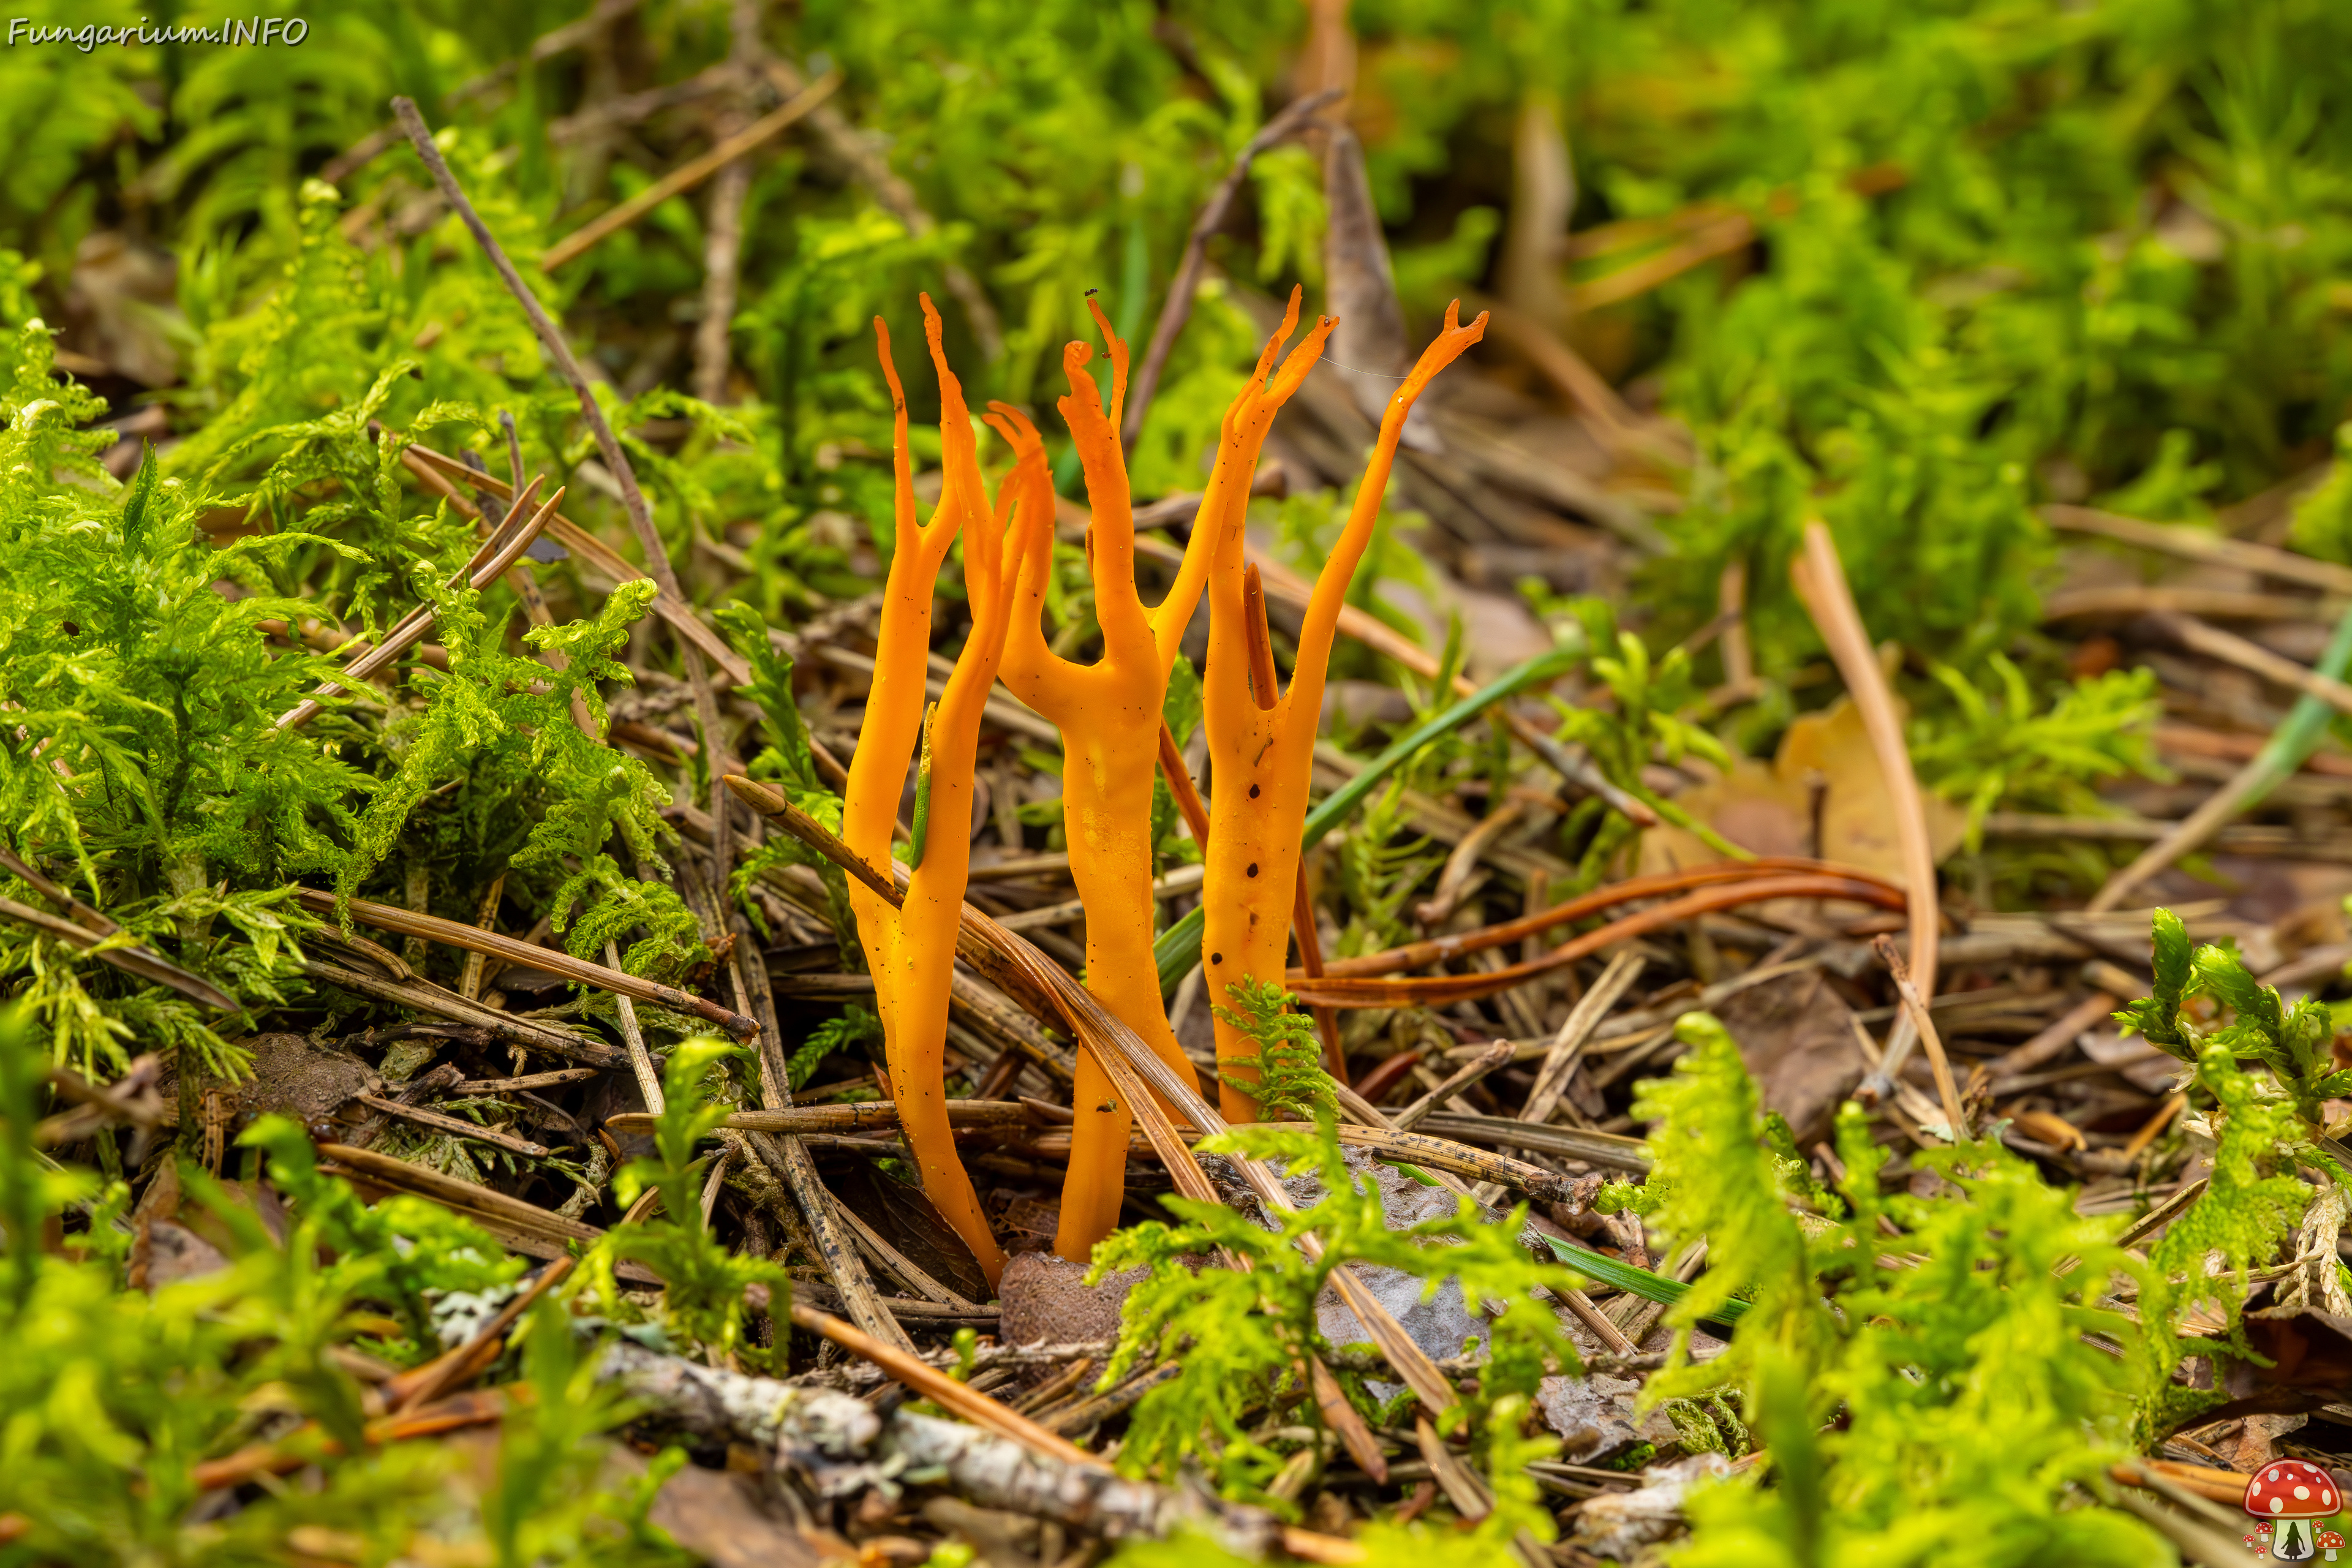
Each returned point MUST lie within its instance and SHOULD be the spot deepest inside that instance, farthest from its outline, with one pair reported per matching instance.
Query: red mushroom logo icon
(2292, 1494)
(2330, 1543)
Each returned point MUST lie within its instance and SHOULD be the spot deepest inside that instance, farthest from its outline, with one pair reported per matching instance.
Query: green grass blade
(1640, 1282)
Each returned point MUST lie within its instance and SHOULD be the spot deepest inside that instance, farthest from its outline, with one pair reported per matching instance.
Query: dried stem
(633, 499)
(452, 933)
(1820, 581)
(688, 175)
(1177, 309)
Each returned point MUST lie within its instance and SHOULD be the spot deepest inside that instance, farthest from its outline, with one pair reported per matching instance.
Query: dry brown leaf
(1796, 1034)
(1769, 809)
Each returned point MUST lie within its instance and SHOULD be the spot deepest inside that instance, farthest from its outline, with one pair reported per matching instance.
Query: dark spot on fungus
(1253, 792)
(1253, 867)
(1216, 958)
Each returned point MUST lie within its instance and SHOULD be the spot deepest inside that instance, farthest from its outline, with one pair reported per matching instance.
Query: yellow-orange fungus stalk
(1261, 757)
(1108, 714)
(912, 950)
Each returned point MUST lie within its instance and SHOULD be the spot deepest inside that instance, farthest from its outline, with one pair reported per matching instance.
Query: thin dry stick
(1731, 606)
(1604, 1326)
(451, 934)
(436, 470)
(1666, 884)
(718, 1176)
(2290, 745)
(1177, 309)
(1445, 1157)
(633, 500)
(502, 550)
(427, 997)
(916, 1279)
(2056, 1040)
(388, 1171)
(1453, 878)
(2196, 544)
(688, 175)
(1438, 990)
(862, 1116)
(1916, 1005)
(453, 1126)
(722, 250)
(722, 261)
(2242, 788)
(942, 1390)
(1820, 581)
(423, 1385)
(560, 1076)
(525, 585)
(788, 1158)
(1610, 414)
(486, 916)
(1568, 1046)
(1494, 1056)
(648, 1081)
(2231, 648)
(86, 928)
(1180, 786)
(1736, 232)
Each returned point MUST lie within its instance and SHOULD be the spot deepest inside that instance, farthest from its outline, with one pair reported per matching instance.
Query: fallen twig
(449, 1191)
(1560, 1062)
(2210, 549)
(842, 1445)
(427, 997)
(292, 1452)
(1494, 1056)
(860, 1116)
(942, 1390)
(438, 472)
(422, 1385)
(455, 1127)
(453, 933)
(503, 547)
(1820, 581)
(688, 175)
(2297, 736)
(1658, 885)
(2231, 648)
(1439, 989)
(1915, 1007)
(787, 1158)
(633, 500)
(1177, 309)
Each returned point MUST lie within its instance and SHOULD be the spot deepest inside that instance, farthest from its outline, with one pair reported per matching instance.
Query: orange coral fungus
(1261, 747)
(1108, 713)
(912, 950)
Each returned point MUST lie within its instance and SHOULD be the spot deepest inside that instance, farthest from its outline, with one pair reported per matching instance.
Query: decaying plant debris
(1742, 977)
